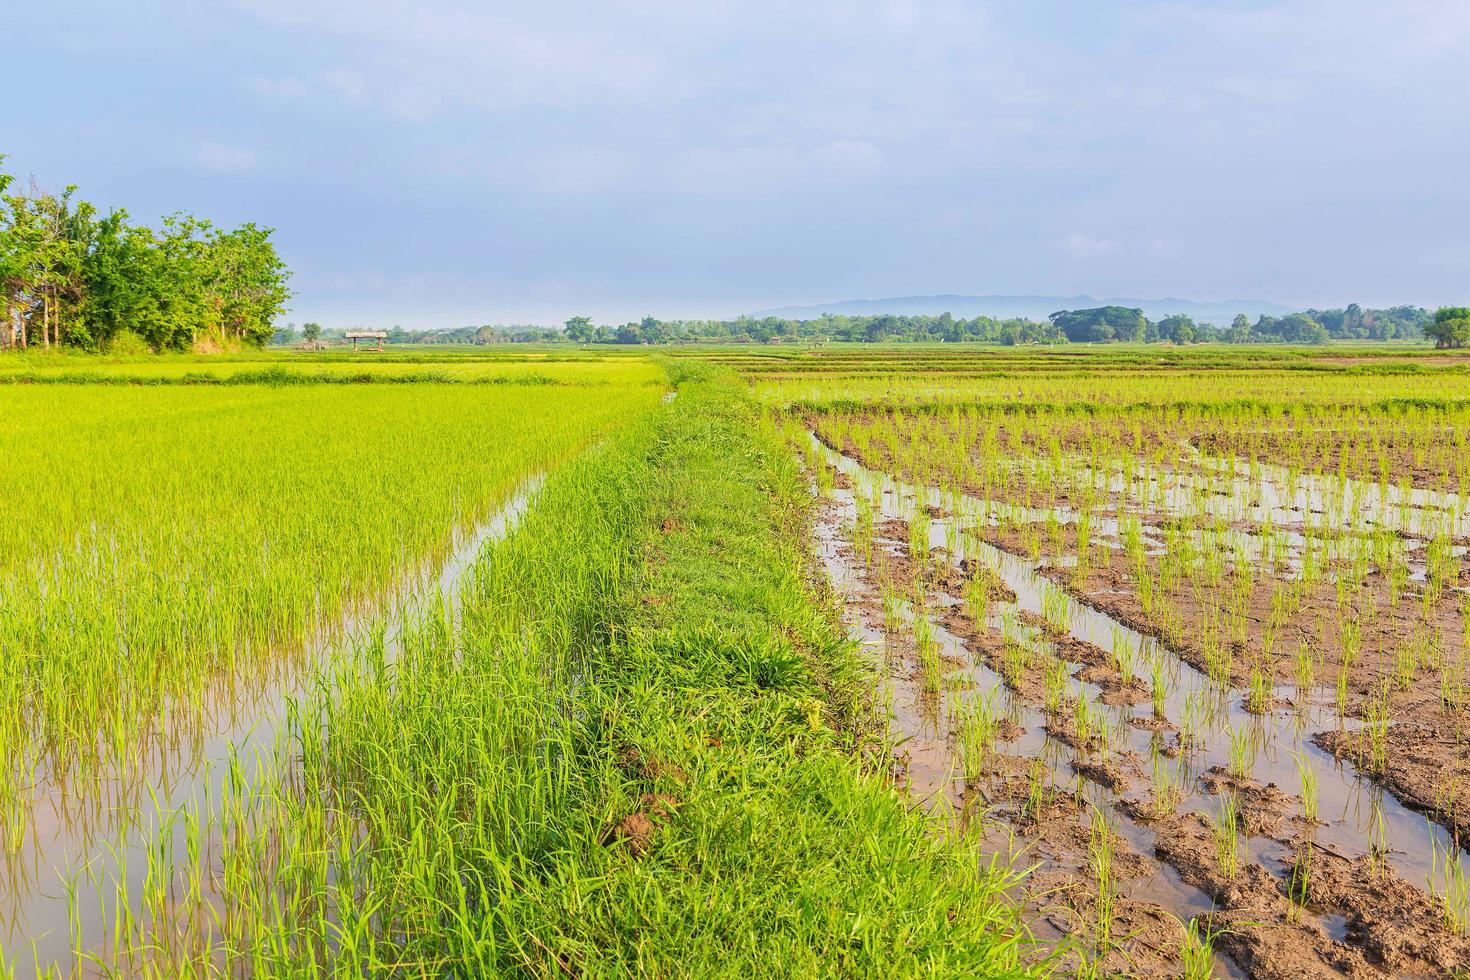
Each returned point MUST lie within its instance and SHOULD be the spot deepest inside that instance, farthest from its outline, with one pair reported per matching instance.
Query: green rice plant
(927, 645)
(892, 601)
(1398, 577)
(1305, 671)
(1190, 718)
(1145, 589)
(975, 594)
(1166, 789)
(1055, 679)
(1010, 626)
(951, 535)
(1158, 686)
(1452, 686)
(919, 537)
(1226, 832)
(1373, 737)
(1124, 654)
(1104, 730)
(1242, 753)
(863, 529)
(1350, 638)
(1447, 797)
(977, 724)
(1037, 790)
(1299, 888)
(1308, 777)
(1197, 952)
(1100, 859)
(1056, 608)
(1258, 698)
(1015, 659)
(1084, 725)
(1378, 841)
(1405, 665)
(1084, 547)
(199, 545)
(1448, 884)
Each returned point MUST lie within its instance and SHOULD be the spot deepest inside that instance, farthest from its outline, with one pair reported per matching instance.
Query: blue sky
(441, 162)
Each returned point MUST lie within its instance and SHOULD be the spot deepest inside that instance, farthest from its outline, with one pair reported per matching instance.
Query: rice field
(834, 661)
(1192, 640)
(174, 561)
(416, 677)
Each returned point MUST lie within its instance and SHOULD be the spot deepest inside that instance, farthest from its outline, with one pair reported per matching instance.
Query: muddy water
(1356, 816)
(59, 887)
(1264, 495)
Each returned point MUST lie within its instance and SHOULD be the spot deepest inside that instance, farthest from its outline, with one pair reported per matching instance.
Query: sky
(435, 163)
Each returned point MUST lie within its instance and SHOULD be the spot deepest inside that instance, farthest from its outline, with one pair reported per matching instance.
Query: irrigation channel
(1139, 805)
(86, 849)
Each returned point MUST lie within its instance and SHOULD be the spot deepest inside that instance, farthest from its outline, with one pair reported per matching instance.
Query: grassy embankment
(639, 752)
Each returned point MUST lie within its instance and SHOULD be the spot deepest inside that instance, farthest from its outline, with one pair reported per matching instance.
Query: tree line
(1353, 322)
(71, 276)
(1099, 325)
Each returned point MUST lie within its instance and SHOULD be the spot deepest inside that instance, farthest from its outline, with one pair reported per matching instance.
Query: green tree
(1102, 324)
(311, 332)
(579, 330)
(70, 277)
(1240, 330)
(1450, 327)
(1179, 328)
(653, 330)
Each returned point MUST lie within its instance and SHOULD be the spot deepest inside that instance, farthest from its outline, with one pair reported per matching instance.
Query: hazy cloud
(224, 158)
(1086, 246)
(287, 87)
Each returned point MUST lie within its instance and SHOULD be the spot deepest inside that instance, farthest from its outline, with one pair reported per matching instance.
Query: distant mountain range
(1031, 307)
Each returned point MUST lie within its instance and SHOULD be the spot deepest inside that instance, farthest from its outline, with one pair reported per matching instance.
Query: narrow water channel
(85, 847)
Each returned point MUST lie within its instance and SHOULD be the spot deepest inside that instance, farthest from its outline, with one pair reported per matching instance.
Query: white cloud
(770, 167)
(850, 155)
(1165, 246)
(288, 87)
(1083, 246)
(223, 158)
(346, 82)
(412, 103)
(582, 170)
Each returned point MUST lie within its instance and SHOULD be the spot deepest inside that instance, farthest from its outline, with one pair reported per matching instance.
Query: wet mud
(1116, 722)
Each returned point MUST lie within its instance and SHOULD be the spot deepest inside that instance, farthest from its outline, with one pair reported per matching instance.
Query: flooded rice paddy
(1185, 816)
(81, 858)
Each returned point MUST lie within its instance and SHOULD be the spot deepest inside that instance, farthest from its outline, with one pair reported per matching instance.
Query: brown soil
(1429, 771)
(636, 830)
(635, 763)
(1393, 928)
(1254, 922)
(1264, 811)
(1398, 926)
(1111, 585)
